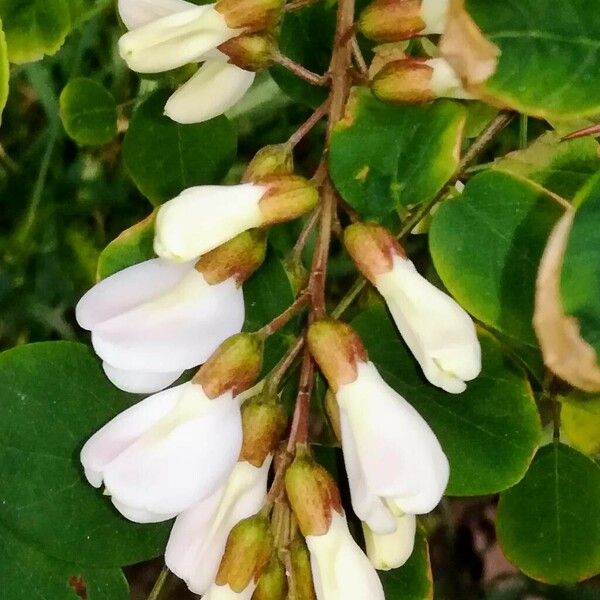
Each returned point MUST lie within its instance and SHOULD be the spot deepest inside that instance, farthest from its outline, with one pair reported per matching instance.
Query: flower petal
(401, 458)
(182, 459)
(224, 592)
(136, 13)
(128, 288)
(122, 431)
(140, 382)
(204, 217)
(140, 515)
(175, 40)
(198, 537)
(391, 550)
(175, 331)
(341, 571)
(439, 333)
(213, 90)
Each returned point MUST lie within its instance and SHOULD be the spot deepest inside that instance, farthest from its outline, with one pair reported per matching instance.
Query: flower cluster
(201, 452)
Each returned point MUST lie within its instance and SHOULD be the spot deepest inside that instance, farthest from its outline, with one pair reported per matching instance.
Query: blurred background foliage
(61, 204)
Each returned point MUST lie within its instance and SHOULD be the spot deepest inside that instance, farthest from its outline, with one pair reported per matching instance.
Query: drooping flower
(391, 550)
(440, 334)
(176, 448)
(167, 34)
(152, 321)
(340, 569)
(394, 462)
(202, 217)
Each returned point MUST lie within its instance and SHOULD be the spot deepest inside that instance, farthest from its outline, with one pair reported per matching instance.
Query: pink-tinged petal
(213, 90)
(182, 459)
(136, 13)
(128, 288)
(140, 382)
(140, 515)
(176, 331)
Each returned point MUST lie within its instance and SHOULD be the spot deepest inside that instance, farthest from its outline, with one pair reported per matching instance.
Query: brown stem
(159, 584)
(300, 71)
(284, 364)
(296, 252)
(286, 316)
(299, 429)
(359, 59)
(309, 123)
(591, 130)
(494, 127)
(298, 4)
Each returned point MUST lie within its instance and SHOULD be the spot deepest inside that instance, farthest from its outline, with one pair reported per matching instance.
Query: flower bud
(247, 553)
(391, 550)
(237, 258)
(336, 347)
(313, 495)
(264, 421)
(372, 248)
(252, 51)
(275, 159)
(301, 575)
(416, 81)
(235, 365)
(332, 410)
(287, 197)
(396, 20)
(272, 584)
(251, 15)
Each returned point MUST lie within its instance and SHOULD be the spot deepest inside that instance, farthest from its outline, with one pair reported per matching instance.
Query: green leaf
(132, 246)
(561, 168)
(88, 112)
(413, 580)
(54, 396)
(4, 71)
(34, 27)
(549, 54)
(164, 157)
(307, 38)
(489, 432)
(580, 275)
(27, 573)
(385, 157)
(267, 294)
(548, 523)
(486, 246)
(580, 421)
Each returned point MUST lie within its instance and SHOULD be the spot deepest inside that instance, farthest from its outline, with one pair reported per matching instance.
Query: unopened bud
(247, 552)
(287, 197)
(332, 410)
(276, 159)
(337, 348)
(252, 51)
(396, 20)
(272, 584)
(372, 248)
(235, 365)
(296, 272)
(301, 574)
(416, 81)
(251, 15)
(237, 258)
(264, 421)
(313, 495)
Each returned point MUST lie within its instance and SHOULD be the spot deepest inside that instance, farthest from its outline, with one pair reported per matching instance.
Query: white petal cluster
(165, 453)
(167, 34)
(200, 533)
(340, 569)
(204, 217)
(152, 321)
(439, 333)
(395, 464)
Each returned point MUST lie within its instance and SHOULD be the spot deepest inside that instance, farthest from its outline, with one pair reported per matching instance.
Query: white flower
(224, 592)
(200, 533)
(440, 334)
(153, 320)
(204, 217)
(166, 34)
(165, 453)
(340, 569)
(394, 462)
(391, 550)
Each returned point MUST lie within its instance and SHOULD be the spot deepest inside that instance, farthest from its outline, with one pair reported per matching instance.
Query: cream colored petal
(140, 382)
(136, 13)
(391, 550)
